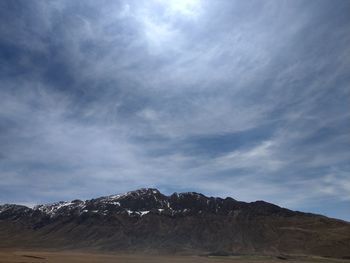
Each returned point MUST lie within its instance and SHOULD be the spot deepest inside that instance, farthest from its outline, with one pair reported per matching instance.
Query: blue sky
(248, 99)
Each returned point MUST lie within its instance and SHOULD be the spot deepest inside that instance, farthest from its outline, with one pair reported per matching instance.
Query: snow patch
(129, 212)
(143, 213)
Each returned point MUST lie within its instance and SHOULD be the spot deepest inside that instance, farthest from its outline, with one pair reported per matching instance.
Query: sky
(248, 99)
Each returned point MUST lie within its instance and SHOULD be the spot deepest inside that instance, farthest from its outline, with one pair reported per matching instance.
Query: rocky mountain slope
(145, 220)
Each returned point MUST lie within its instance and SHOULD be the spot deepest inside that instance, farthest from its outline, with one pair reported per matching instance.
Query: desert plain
(36, 256)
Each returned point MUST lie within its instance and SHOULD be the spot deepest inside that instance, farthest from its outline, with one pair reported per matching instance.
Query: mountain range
(148, 221)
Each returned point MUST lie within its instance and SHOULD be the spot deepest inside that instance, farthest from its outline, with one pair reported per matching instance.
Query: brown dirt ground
(31, 256)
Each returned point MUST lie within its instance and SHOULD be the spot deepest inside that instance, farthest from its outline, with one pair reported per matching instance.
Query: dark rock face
(146, 220)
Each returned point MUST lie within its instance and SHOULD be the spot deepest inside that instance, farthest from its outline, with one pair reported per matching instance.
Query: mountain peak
(144, 191)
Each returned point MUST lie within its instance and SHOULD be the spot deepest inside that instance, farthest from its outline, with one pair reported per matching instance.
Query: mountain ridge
(147, 220)
(125, 202)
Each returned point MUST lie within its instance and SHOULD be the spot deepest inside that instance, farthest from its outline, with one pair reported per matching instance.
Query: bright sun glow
(182, 7)
(161, 28)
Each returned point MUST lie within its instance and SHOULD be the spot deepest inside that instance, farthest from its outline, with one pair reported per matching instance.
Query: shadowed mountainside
(146, 220)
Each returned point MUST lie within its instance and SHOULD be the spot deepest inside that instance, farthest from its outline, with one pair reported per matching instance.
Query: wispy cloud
(248, 99)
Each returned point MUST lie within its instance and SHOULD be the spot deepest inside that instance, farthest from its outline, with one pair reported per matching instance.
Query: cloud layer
(242, 98)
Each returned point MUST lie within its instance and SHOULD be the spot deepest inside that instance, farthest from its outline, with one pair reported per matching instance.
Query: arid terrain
(33, 256)
(145, 220)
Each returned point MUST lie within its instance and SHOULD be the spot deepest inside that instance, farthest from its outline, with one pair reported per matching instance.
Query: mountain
(145, 220)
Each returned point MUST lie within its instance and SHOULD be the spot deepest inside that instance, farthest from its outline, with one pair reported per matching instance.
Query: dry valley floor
(30, 256)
